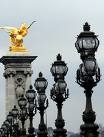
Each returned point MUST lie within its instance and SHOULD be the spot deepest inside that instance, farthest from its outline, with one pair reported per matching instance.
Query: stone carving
(8, 73)
(19, 85)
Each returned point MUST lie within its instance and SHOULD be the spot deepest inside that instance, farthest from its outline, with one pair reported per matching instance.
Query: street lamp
(10, 120)
(15, 113)
(59, 93)
(42, 103)
(59, 68)
(5, 130)
(41, 83)
(87, 42)
(22, 102)
(31, 95)
(88, 75)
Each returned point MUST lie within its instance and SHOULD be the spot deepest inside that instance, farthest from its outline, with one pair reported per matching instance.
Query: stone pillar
(18, 77)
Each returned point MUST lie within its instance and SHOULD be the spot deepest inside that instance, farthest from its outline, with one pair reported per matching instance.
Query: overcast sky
(58, 24)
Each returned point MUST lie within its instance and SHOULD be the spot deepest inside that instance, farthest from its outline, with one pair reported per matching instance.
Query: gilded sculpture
(16, 37)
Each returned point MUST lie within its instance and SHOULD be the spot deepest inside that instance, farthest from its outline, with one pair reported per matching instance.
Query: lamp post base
(42, 134)
(61, 132)
(89, 130)
(31, 135)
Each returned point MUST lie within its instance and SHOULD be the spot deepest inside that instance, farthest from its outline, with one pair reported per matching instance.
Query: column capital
(28, 72)
(8, 73)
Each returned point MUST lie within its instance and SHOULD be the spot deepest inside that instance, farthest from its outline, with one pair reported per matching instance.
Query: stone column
(18, 77)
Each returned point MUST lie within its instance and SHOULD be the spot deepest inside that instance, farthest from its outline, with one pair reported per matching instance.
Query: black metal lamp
(87, 42)
(15, 114)
(88, 75)
(90, 66)
(22, 102)
(10, 118)
(7, 124)
(41, 98)
(59, 68)
(42, 103)
(60, 86)
(31, 95)
(5, 130)
(1, 132)
(59, 93)
(40, 83)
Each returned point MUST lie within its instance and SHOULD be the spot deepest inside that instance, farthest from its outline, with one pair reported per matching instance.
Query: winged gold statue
(16, 37)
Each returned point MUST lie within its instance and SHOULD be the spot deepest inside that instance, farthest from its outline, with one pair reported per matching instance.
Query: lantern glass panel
(9, 117)
(97, 42)
(79, 44)
(61, 85)
(6, 122)
(22, 102)
(88, 43)
(15, 111)
(31, 106)
(41, 84)
(90, 66)
(30, 95)
(53, 70)
(59, 69)
(41, 98)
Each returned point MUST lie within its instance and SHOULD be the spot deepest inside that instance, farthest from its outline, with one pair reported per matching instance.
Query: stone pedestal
(18, 77)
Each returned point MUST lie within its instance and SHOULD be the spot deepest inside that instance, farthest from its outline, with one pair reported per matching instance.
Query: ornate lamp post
(59, 93)
(31, 95)
(10, 120)
(22, 102)
(42, 103)
(15, 113)
(5, 130)
(88, 75)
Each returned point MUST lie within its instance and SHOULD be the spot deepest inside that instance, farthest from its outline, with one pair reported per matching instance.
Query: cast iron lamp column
(15, 113)
(42, 103)
(88, 75)
(31, 95)
(59, 93)
(10, 120)
(23, 115)
(5, 130)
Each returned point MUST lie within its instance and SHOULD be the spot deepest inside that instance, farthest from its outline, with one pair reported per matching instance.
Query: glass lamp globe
(61, 86)
(31, 106)
(90, 66)
(15, 112)
(41, 83)
(4, 128)
(30, 94)
(6, 122)
(41, 98)
(87, 42)
(59, 68)
(22, 102)
(10, 117)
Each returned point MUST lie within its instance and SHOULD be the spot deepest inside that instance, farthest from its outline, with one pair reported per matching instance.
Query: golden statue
(16, 37)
